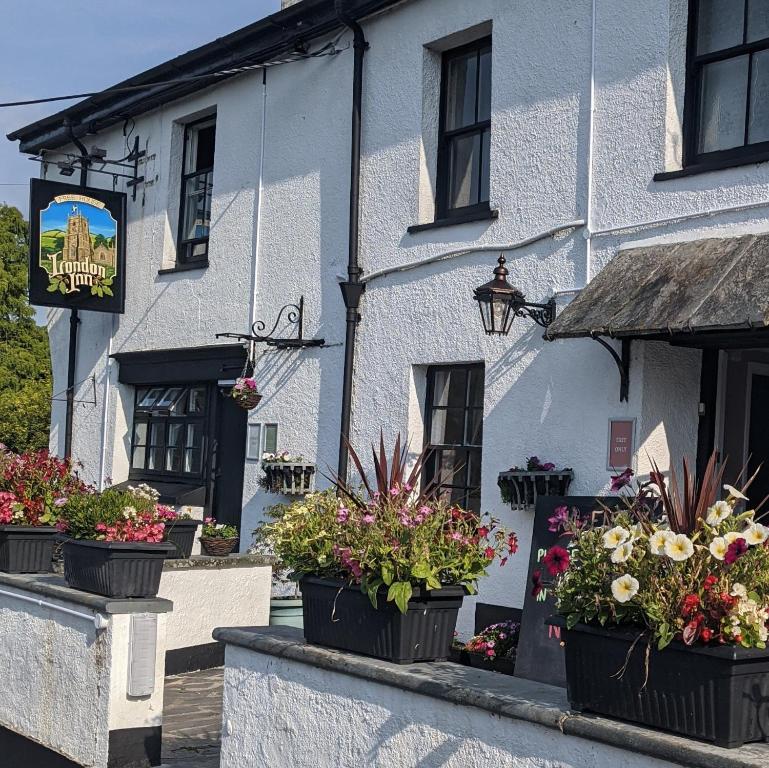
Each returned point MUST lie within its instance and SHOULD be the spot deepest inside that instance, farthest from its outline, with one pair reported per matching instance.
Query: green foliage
(25, 367)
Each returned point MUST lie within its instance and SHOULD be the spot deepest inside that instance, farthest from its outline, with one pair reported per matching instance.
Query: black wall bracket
(623, 364)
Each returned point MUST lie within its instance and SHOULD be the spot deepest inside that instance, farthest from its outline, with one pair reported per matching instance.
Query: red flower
(556, 560)
(489, 553)
(706, 635)
(483, 532)
(735, 551)
(709, 582)
(690, 605)
(537, 585)
(512, 543)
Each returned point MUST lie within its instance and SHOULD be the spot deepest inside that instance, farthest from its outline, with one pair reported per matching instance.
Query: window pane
(197, 400)
(484, 86)
(452, 468)
(464, 162)
(175, 432)
(270, 438)
(460, 90)
(138, 457)
(155, 458)
(722, 111)
(199, 147)
(140, 433)
(719, 25)
(173, 459)
(192, 457)
(475, 397)
(449, 388)
(485, 167)
(148, 399)
(448, 426)
(157, 433)
(253, 447)
(758, 20)
(474, 434)
(758, 127)
(474, 469)
(197, 206)
(194, 437)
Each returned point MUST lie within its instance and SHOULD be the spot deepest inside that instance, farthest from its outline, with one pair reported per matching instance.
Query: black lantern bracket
(623, 365)
(542, 314)
(290, 314)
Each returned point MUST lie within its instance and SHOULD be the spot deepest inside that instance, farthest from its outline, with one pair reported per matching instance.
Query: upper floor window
(728, 80)
(465, 131)
(197, 184)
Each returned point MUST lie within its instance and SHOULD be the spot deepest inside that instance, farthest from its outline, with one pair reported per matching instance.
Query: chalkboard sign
(540, 655)
(487, 614)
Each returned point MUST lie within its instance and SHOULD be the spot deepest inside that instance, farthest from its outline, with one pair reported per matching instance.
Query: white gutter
(105, 414)
(476, 249)
(99, 621)
(590, 144)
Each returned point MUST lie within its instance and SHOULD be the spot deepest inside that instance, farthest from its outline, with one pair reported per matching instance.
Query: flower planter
(26, 548)
(288, 478)
(505, 665)
(718, 694)
(218, 547)
(521, 488)
(286, 612)
(181, 533)
(340, 616)
(117, 569)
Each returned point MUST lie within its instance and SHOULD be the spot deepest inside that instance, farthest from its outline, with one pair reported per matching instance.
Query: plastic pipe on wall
(99, 621)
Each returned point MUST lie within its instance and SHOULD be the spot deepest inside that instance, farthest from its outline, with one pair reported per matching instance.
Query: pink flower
(559, 519)
(368, 519)
(394, 491)
(342, 515)
(621, 480)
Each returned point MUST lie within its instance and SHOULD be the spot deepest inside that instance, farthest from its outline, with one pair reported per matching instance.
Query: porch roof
(675, 291)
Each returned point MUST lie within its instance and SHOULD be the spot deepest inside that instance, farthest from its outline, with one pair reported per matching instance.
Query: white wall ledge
(502, 695)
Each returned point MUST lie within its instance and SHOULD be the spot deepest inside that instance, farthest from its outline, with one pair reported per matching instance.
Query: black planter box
(116, 569)
(340, 616)
(181, 533)
(718, 694)
(26, 548)
(521, 488)
(504, 665)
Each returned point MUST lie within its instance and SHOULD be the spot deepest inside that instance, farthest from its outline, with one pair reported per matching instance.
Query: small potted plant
(493, 648)
(286, 474)
(383, 572)
(218, 539)
(664, 610)
(33, 488)
(115, 543)
(520, 488)
(245, 393)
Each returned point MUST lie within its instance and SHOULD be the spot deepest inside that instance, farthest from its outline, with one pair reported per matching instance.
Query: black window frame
(150, 416)
(186, 246)
(434, 449)
(443, 170)
(695, 63)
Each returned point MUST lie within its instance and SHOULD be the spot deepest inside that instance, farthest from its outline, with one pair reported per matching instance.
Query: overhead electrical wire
(330, 49)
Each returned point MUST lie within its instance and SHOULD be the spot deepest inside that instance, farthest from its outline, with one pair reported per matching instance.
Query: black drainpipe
(353, 288)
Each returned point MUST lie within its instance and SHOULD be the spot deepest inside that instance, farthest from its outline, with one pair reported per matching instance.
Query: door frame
(753, 368)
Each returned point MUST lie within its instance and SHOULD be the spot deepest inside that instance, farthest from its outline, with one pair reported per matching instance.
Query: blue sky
(100, 222)
(50, 48)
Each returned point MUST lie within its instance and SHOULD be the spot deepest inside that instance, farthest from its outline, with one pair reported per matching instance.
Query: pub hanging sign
(77, 247)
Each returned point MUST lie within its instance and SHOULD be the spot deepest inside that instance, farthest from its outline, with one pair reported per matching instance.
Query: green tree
(25, 363)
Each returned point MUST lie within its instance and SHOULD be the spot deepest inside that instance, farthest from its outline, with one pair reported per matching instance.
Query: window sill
(184, 268)
(466, 218)
(710, 166)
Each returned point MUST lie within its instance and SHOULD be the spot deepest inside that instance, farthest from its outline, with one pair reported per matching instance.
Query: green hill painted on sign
(52, 241)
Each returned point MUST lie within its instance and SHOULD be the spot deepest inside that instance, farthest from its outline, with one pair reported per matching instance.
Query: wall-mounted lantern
(500, 303)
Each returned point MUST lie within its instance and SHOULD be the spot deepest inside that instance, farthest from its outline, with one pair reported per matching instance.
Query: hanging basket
(218, 547)
(521, 488)
(289, 478)
(245, 393)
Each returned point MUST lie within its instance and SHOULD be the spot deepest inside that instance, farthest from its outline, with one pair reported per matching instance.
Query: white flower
(616, 536)
(718, 513)
(718, 547)
(738, 590)
(679, 547)
(658, 540)
(624, 588)
(129, 512)
(622, 553)
(732, 536)
(756, 533)
(734, 493)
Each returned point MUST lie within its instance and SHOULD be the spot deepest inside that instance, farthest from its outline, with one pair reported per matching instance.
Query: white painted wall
(205, 598)
(65, 683)
(549, 399)
(346, 722)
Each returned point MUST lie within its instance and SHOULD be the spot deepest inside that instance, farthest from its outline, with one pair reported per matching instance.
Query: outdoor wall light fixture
(500, 303)
(66, 168)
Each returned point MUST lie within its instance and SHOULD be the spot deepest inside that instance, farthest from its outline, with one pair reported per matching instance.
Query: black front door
(229, 460)
(758, 438)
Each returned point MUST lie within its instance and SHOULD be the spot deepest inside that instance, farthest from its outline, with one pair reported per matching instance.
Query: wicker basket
(218, 547)
(248, 399)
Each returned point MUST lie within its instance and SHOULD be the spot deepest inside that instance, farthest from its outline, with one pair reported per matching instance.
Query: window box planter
(286, 612)
(116, 569)
(521, 488)
(26, 548)
(218, 547)
(718, 694)
(288, 478)
(181, 533)
(338, 615)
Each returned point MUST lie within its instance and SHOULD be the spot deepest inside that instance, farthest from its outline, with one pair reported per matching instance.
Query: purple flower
(342, 515)
(368, 519)
(735, 551)
(559, 519)
(60, 502)
(548, 467)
